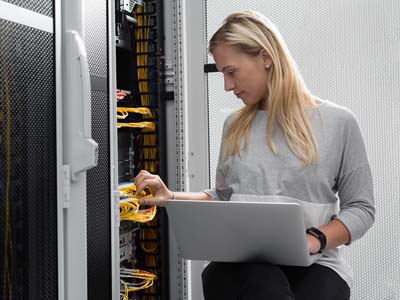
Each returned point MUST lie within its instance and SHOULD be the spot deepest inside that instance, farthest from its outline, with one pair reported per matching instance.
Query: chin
(249, 102)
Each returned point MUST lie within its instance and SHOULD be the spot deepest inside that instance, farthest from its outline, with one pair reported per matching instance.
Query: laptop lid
(237, 231)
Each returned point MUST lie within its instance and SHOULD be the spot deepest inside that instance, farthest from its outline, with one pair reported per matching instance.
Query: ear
(266, 58)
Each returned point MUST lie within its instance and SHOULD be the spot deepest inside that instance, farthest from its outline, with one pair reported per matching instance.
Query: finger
(141, 174)
(152, 201)
(152, 183)
(140, 179)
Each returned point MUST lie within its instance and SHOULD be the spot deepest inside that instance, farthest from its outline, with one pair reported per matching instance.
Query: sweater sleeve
(221, 191)
(354, 183)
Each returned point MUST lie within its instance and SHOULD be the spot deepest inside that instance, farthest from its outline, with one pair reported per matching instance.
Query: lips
(238, 94)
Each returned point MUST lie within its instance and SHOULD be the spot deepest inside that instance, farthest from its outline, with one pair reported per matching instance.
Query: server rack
(60, 226)
(140, 61)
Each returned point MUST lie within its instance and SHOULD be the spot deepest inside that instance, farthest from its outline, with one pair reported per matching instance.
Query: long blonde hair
(250, 32)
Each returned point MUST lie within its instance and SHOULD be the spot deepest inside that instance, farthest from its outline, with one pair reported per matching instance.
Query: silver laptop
(229, 231)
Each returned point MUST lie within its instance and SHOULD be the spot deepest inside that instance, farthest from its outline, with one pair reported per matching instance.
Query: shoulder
(336, 111)
(340, 115)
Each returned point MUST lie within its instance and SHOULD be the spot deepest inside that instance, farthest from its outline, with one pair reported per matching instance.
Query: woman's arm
(336, 234)
(191, 196)
(160, 191)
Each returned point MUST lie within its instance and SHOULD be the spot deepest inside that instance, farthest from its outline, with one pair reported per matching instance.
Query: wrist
(319, 236)
(172, 196)
(313, 244)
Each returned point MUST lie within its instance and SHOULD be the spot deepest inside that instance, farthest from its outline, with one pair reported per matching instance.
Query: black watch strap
(319, 235)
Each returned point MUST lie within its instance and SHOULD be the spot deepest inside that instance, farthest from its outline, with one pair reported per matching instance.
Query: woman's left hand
(313, 244)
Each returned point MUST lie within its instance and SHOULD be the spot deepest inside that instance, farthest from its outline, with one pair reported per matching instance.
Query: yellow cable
(129, 211)
(146, 279)
(125, 295)
(129, 191)
(148, 233)
(147, 126)
(122, 112)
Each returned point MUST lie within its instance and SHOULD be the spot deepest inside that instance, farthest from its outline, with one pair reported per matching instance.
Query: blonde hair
(250, 32)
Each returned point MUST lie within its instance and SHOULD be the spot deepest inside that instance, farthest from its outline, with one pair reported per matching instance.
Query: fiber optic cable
(147, 126)
(129, 211)
(122, 112)
(146, 279)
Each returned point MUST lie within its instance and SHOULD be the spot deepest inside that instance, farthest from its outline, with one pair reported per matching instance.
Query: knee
(219, 281)
(265, 281)
(214, 272)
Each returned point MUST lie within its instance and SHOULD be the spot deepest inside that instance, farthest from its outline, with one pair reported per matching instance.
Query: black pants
(248, 281)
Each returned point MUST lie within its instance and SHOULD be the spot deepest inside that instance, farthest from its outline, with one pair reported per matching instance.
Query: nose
(228, 84)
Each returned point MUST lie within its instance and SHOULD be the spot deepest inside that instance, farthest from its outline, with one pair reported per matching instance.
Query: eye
(230, 72)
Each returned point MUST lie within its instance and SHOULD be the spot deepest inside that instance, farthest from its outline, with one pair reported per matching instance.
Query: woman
(284, 141)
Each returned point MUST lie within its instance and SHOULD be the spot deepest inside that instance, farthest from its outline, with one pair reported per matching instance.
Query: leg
(220, 281)
(263, 281)
(232, 281)
(317, 282)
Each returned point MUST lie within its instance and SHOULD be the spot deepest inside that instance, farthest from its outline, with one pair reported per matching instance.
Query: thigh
(261, 281)
(220, 281)
(245, 281)
(317, 282)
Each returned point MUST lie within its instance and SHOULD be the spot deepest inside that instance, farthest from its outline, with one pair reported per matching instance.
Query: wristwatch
(319, 235)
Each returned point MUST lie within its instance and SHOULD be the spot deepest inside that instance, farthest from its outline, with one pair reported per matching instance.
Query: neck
(262, 104)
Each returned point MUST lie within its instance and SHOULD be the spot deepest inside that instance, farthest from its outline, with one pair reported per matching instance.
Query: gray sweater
(340, 186)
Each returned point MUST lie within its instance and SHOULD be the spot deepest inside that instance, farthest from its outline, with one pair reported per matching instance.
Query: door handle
(84, 149)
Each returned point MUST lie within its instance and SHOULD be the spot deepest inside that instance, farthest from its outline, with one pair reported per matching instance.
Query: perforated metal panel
(98, 178)
(98, 204)
(95, 36)
(28, 162)
(44, 7)
(348, 52)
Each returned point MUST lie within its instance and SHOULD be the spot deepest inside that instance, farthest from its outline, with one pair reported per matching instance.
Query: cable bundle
(122, 112)
(129, 211)
(129, 191)
(129, 207)
(147, 126)
(142, 58)
(141, 280)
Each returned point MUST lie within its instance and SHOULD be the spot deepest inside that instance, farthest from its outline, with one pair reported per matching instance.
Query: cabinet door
(28, 152)
(102, 220)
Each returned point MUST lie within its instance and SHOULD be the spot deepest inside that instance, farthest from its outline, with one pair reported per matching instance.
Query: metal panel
(44, 7)
(99, 179)
(98, 204)
(348, 53)
(25, 17)
(114, 211)
(95, 36)
(180, 145)
(28, 185)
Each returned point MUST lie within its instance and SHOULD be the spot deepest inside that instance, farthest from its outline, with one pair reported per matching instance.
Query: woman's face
(245, 75)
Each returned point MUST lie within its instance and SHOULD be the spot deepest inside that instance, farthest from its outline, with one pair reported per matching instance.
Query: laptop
(234, 231)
